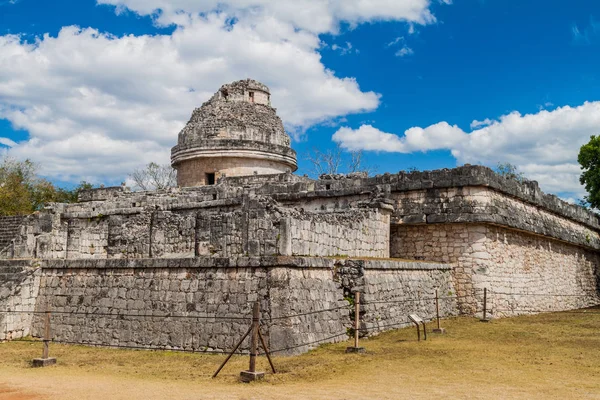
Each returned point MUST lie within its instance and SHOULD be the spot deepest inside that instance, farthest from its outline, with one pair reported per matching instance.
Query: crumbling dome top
(239, 130)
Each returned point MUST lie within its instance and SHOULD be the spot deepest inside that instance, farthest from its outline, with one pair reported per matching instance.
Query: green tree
(22, 191)
(70, 196)
(16, 182)
(589, 158)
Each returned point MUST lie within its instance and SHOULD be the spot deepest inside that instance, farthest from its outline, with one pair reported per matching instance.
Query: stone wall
(485, 205)
(524, 272)
(193, 172)
(19, 285)
(391, 290)
(362, 233)
(9, 229)
(205, 303)
(193, 304)
(254, 227)
(235, 133)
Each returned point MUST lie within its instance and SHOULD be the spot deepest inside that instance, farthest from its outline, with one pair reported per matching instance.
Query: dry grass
(544, 356)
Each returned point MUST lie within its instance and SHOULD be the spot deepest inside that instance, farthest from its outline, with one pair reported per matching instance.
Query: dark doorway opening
(210, 178)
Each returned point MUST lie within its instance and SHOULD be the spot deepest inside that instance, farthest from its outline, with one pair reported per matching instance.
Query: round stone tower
(235, 133)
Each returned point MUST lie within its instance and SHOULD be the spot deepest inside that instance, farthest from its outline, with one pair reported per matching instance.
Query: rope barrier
(392, 301)
(129, 347)
(118, 315)
(307, 344)
(308, 313)
(596, 311)
(544, 294)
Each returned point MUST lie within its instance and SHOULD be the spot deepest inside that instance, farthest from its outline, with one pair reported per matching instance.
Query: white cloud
(316, 16)
(396, 41)
(139, 91)
(368, 138)
(7, 142)
(96, 106)
(480, 124)
(405, 51)
(586, 35)
(543, 145)
(344, 49)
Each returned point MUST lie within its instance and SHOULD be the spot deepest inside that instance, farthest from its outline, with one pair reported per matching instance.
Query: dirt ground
(550, 356)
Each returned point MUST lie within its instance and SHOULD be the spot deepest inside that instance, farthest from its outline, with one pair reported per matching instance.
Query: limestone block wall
(359, 233)
(193, 172)
(151, 304)
(204, 304)
(221, 234)
(87, 238)
(9, 229)
(193, 304)
(42, 235)
(392, 293)
(482, 204)
(256, 227)
(393, 289)
(524, 272)
(173, 234)
(19, 285)
(298, 297)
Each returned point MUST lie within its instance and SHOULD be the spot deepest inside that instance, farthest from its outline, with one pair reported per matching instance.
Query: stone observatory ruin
(180, 268)
(235, 133)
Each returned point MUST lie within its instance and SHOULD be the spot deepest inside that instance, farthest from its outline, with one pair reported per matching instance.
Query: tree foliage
(22, 191)
(154, 177)
(589, 158)
(510, 171)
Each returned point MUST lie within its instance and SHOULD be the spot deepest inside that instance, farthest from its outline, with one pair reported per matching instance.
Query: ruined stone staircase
(9, 229)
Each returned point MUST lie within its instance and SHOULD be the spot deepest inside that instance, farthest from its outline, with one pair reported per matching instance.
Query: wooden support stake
(234, 350)
(251, 374)
(264, 345)
(356, 349)
(439, 329)
(254, 337)
(356, 317)
(485, 318)
(45, 360)
(46, 335)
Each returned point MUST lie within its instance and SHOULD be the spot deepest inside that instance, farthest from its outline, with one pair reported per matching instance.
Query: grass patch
(547, 355)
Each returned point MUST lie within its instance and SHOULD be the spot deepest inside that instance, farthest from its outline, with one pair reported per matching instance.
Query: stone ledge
(235, 262)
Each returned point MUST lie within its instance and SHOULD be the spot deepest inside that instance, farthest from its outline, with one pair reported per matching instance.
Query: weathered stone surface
(205, 303)
(262, 233)
(19, 287)
(235, 133)
(43, 362)
(9, 229)
(247, 376)
(523, 273)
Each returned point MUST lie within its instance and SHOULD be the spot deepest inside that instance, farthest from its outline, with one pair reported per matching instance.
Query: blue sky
(91, 91)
